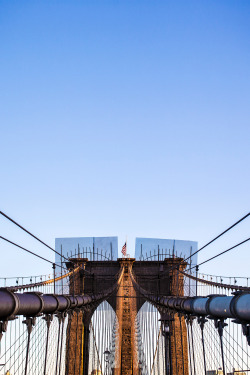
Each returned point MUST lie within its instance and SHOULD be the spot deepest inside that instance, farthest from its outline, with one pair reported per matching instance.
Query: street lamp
(166, 332)
(140, 367)
(106, 360)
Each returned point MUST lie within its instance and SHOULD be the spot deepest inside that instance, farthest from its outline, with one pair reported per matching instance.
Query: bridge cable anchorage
(32, 235)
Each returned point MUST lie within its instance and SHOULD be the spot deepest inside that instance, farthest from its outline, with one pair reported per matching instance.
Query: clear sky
(124, 118)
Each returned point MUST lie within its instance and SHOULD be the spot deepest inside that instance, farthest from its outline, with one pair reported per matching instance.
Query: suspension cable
(209, 243)
(220, 235)
(76, 338)
(29, 251)
(216, 284)
(32, 235)
(221, 253)
(62, 331)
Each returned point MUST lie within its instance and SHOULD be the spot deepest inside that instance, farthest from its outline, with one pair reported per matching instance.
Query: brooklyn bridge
(99, 315)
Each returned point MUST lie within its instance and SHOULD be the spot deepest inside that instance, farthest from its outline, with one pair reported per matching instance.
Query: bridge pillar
(178, 330)
(163, 278)
(74, 344)
(77, 341)
(159, 277)
(85, 352)
(126, 361)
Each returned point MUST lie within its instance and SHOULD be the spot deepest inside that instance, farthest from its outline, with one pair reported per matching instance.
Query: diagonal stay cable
(221, 253)
(220, 235)
(32, 235)
(207, 244)
(29, 251)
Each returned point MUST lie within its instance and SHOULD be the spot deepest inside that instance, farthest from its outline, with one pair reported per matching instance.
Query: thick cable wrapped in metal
(9, 303)
(199, 305)
(30, 304)
(64, 303)
(35, 303)
(219, 306)
(51, 303)
(240, 306)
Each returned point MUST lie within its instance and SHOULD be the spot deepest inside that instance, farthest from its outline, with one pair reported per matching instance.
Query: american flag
(124, 249)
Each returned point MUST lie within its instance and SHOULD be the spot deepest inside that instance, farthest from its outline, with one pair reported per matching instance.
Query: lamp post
(166, 332)
(140, 367)
(106, 360)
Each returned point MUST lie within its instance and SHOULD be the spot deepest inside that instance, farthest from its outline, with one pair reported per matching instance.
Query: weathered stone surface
(158, 277)
(126, 361)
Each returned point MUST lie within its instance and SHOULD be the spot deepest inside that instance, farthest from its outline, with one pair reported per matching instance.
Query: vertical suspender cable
(80, 356)
(202, 321)
(60, 359)
(68, 342)
(77, 313)
(189, 347)
(176, 361)
(30, 322)
(182, 354)
(48, 319)
(58, 340)
(220, 324)
(170, 322)
(192, 339)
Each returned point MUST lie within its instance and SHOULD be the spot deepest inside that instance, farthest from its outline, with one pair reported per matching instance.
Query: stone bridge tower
(157, 277)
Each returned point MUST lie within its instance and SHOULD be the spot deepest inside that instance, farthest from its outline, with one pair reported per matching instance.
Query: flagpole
(126, 244)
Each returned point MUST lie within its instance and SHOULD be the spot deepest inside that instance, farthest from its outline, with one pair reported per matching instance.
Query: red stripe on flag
(124, 249)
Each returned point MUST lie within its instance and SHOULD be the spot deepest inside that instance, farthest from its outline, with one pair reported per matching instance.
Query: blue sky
(125, 118)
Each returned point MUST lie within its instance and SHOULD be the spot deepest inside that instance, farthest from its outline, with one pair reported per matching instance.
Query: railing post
(197, 269)
(54, 276)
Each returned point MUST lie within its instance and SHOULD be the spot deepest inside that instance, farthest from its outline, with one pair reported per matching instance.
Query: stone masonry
(96, 276)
